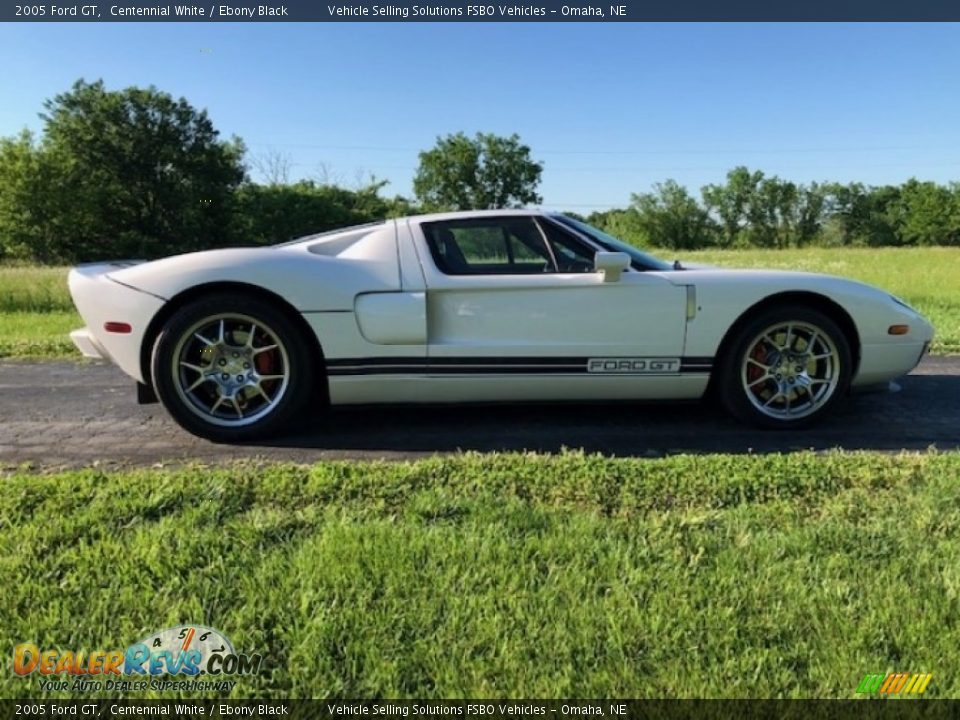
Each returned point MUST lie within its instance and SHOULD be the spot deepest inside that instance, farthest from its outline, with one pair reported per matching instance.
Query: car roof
(334, 233)
(467, 214)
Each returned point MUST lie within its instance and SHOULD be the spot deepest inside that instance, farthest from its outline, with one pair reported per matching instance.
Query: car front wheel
(231, 368)
(786, 368)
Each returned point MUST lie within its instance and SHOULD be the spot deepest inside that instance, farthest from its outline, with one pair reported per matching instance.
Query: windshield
(641, 260)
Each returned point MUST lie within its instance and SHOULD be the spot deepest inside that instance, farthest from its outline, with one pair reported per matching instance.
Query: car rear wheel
(232, 368)
(786, 368)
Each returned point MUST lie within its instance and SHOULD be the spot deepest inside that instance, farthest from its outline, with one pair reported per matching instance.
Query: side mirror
(611, 264)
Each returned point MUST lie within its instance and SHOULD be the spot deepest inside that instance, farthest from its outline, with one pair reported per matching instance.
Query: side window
(488, 246)
(571, 254)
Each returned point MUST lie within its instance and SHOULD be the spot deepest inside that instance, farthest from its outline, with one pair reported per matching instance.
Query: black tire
(743, 385)
(273, 404)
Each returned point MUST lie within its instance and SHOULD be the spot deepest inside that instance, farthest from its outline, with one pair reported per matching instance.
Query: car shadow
(925, 413)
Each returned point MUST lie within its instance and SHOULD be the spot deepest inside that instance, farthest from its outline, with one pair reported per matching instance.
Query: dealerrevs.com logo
(186, 658)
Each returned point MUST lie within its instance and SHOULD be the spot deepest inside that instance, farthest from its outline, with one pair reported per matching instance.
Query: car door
(516, 295)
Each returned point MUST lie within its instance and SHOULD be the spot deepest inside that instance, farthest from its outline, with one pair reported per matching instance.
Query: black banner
(617, 11)
(486, 709)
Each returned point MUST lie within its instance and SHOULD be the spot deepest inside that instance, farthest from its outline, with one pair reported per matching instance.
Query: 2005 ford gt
(508, 305)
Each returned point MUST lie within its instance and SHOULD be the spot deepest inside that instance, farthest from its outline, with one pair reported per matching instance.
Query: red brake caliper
(265, 362)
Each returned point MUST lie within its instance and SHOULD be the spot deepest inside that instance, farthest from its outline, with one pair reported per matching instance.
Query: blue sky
(609, 109)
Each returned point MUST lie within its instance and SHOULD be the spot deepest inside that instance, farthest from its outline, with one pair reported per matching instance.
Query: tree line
(751, 209)
(137, 173)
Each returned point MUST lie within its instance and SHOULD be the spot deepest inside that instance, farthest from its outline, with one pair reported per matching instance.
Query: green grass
(38, 335)
(36, 311)
(506, 575)
(28, 288)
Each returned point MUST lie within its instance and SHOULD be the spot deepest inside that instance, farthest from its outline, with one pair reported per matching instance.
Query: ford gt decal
(633, 365)
(518, 365)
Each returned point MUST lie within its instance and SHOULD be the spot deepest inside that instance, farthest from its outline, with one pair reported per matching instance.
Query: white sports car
(506, 305)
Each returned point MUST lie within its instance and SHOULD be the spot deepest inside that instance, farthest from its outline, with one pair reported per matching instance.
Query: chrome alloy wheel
(230, 369)
(790, 370)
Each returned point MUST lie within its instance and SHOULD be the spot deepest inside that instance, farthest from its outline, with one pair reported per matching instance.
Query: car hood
(757, 284)
(698, 266)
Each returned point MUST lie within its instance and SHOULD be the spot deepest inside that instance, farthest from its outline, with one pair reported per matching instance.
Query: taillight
(117, 327)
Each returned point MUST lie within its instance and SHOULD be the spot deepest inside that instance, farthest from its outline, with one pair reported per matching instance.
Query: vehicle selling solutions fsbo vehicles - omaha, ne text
(508, 305)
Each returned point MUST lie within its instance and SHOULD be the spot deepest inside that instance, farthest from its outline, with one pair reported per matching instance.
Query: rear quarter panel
(310, 282)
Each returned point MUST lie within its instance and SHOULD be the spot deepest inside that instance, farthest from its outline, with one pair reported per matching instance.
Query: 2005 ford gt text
(507, 305)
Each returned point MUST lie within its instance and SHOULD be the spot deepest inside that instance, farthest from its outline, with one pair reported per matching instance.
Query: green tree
(928, 214)
(624, 224)
(768, 212)
(760, 211)
(278, 212)
(810, 214)
(486, 171)
(670, 217)
(25, 201)
(860, 215)
(130, 172)
(846, 211)
(731, 202)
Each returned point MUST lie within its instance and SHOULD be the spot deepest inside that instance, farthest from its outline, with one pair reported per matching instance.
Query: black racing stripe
(480, 360)
(464, 368)
(509, 361)
(342, 372)
(490, 366)
(493, 360)
(467, 370)
(377, 361)
(696, 364)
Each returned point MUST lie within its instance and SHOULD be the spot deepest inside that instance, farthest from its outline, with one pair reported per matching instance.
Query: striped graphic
(896, 683)
(518, 366)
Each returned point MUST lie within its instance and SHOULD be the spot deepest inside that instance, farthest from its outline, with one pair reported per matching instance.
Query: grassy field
(36, 313)
(506, 575)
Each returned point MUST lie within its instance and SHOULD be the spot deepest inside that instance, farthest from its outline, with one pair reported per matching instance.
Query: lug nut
(225, 376)
(246, 366)
(239, 378)
(222, 362)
